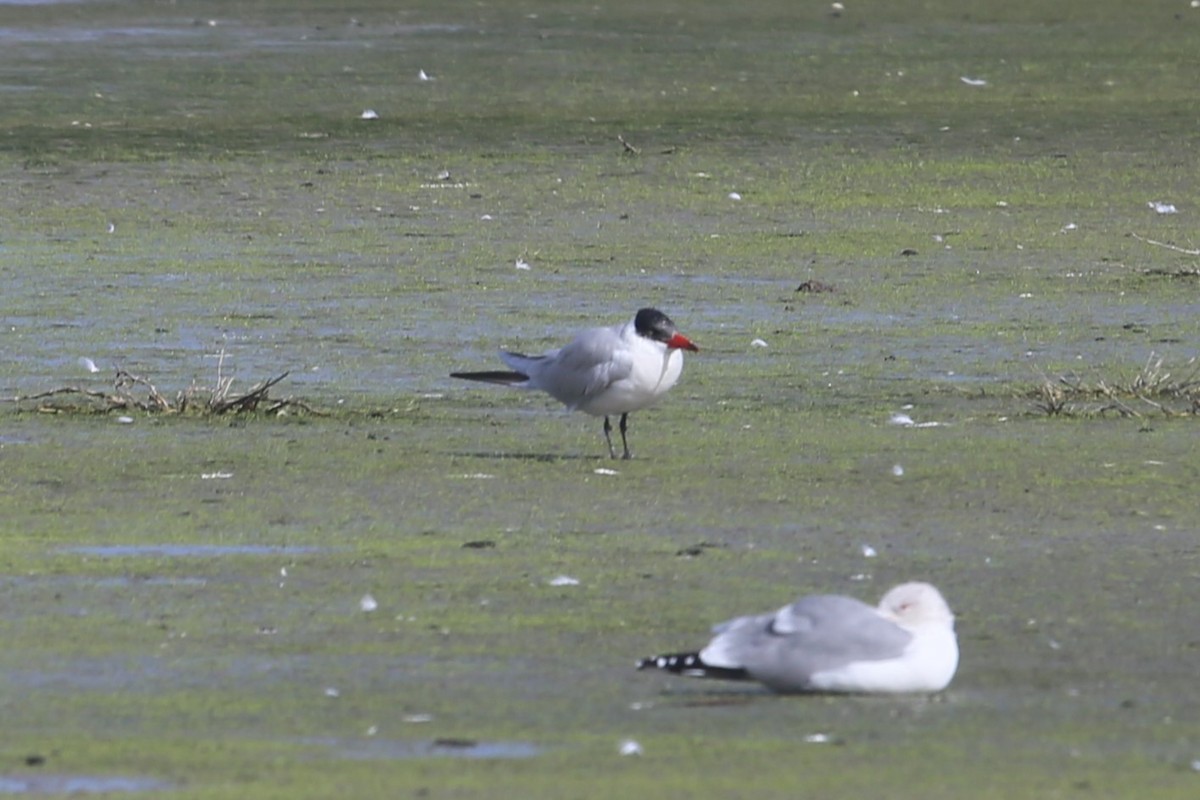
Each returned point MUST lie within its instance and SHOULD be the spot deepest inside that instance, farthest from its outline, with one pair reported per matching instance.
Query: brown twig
(1115, 403)
(62, 390)
(245, 402)
(279, 405)
(126, 380)
(1168, 246)
(1194, 272)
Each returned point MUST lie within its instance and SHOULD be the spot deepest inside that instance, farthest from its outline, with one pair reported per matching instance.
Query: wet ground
(364, 601)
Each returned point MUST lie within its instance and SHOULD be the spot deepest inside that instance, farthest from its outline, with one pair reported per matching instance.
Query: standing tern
(830, 643)
(603, 371)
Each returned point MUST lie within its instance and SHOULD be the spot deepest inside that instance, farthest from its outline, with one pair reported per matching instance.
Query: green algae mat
(940, 260)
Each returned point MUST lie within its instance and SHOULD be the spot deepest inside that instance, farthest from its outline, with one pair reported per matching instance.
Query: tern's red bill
(681, 342)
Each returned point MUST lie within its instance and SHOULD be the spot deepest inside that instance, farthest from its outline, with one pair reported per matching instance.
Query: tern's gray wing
(815, 634)
(597, 358)
(589, 364)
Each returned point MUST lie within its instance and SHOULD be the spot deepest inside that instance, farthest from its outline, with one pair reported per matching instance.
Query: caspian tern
(603, 371)
(830, 643)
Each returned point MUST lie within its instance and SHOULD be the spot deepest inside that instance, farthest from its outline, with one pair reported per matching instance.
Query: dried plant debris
(132, 392)
(1183, 272)
(1153, 390)
(815, 287)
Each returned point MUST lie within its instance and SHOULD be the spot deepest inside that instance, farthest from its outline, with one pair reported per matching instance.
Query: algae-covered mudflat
(358, 598)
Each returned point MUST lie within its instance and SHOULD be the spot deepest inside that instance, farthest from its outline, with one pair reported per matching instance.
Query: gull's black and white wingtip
(690, 665)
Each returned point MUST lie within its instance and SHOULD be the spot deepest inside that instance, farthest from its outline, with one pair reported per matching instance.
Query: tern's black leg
(624, 443)
(608, 437)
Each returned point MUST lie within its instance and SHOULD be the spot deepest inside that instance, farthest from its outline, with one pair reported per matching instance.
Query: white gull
(831, 643)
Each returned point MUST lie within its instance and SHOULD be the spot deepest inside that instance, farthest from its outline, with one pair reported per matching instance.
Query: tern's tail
(692, 666)
(495, 376)
(519, 362)
(522, 368)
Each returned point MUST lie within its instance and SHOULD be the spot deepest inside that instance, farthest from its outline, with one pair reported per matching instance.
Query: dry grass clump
(132, 392)
(1153, 390)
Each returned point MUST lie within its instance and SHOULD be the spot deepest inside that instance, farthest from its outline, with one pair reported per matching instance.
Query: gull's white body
(829, 643)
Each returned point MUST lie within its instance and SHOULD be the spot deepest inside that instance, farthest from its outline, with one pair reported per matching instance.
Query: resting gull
(831, 643)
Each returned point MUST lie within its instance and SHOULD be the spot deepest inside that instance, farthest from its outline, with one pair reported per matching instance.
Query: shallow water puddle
(373, 749)
(114, 581)
(185, 550)
(124, 581)
(77, 784)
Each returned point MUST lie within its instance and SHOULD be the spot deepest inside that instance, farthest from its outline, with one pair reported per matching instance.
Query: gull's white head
(911, 605)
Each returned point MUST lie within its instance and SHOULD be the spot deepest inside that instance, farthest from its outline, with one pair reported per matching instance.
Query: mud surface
(184, 600)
